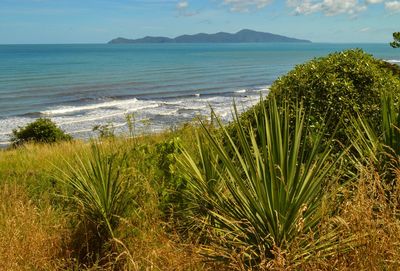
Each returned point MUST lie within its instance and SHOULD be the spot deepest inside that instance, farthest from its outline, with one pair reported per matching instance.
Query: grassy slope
(36, 232)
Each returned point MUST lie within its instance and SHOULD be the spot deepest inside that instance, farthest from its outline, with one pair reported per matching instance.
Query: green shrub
(394, 68)
(170, 182)
(396, 40)
(341, 83)
(41, 130)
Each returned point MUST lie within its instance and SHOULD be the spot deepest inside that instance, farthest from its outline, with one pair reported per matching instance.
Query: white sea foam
(241, 91)
(81, 131)
(262, 89)
(393, 61)
(95, 117)
(4, 144)
(131, 103)
(167, 113)
(80, 120)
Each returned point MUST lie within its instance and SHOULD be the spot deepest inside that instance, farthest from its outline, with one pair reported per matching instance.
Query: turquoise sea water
(80, 86)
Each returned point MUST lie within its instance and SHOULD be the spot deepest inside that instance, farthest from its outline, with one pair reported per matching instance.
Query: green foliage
(105, 131)
(344, 83)
(396, 40)
(131, 122)
(381, 146)
(269, 193)
(99, 189)
(41, 130)
(393, 68)
(171, 183)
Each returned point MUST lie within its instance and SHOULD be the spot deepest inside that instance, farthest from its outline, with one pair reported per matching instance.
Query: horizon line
(106, 43)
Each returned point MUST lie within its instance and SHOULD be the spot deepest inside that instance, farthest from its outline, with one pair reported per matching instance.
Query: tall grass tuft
(270, 193)
(99, 191)
(31, 238)
(382, 147)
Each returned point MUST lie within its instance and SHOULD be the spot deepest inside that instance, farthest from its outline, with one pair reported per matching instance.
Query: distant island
(243, 36)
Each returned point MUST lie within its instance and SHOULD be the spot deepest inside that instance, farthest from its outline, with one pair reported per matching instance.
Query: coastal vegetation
(305, 180)
(41, 130)
(396, 40)
(335, 88)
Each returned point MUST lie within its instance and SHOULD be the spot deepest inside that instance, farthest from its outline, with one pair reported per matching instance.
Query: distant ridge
(242, 36)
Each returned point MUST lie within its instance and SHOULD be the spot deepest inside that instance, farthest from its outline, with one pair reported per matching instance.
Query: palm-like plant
(273, 188)
(205, 185)
(99, 189)
(382, 146)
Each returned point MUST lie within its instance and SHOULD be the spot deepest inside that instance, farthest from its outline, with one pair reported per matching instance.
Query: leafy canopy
(340, 84)
(396, 40)
(41, 130)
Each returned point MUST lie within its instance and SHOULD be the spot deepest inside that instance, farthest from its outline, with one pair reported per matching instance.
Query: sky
(98, 21)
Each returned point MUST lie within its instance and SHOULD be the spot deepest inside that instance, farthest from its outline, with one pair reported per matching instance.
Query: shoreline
(150, 115)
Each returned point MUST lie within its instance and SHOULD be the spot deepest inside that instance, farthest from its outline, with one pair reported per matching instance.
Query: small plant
(41, 130)
(105, 131)
(130, 121)
(146, 125)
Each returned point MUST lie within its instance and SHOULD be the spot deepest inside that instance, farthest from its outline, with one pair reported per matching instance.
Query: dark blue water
(79, 86)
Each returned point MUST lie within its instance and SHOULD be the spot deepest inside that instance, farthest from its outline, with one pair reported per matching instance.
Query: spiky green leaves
(382, 146)
(99, 188)
(271, 190)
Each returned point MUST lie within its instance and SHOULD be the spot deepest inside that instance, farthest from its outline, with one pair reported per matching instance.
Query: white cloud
(373, 1)
(183, 9)
(182, 5)
(304, 7)
(246, 5)
(393, 6)
(328, 7)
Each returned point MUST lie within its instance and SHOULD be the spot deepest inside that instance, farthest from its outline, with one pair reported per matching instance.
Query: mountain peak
(246, 31)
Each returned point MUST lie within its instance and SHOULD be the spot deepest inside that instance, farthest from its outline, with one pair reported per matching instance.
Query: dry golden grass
(34, 234)
(373, 221)
(156, 250)
(30, 239)
(149, 243)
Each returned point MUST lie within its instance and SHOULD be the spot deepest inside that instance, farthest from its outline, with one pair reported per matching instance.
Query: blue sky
(97, 21)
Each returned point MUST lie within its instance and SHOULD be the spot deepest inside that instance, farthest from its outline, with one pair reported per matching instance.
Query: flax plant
(381, 146)
(99, 188)
(270, 193)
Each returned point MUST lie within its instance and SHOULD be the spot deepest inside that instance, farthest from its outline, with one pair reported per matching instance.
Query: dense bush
(41, 130)
(335, 87)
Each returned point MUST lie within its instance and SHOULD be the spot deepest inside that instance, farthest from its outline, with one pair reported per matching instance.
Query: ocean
(163, 85)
